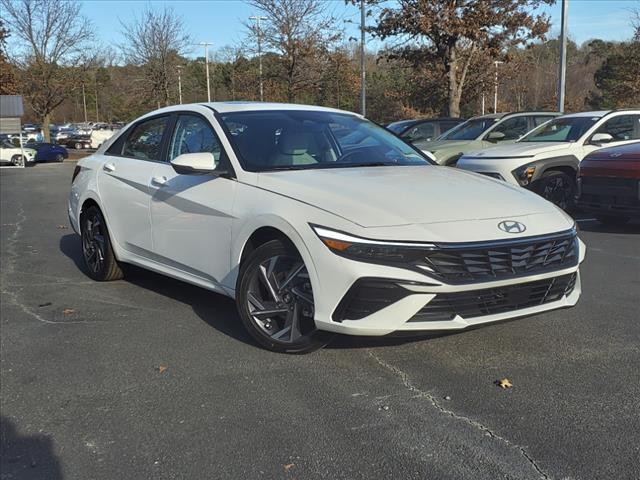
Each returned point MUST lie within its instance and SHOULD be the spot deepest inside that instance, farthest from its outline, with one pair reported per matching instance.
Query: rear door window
(145, 140)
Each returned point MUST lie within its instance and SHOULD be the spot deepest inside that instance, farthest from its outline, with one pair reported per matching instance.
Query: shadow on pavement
(26, 457)
(597, 227)
(219, 311)
(214, 309)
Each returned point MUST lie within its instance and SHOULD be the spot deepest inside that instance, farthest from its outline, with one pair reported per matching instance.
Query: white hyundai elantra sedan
(318, 221)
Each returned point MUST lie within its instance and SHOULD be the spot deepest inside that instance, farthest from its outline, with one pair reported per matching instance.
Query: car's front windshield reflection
(300, 139)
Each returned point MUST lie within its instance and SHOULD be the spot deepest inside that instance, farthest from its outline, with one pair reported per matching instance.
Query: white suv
(318, 221)
(546, 160)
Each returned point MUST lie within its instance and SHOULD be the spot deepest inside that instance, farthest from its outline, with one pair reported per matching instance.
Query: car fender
(545, 164)
(244, 232)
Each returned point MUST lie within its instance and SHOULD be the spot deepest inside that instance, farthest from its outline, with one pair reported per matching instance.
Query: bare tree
(53, 35)
(301, 32)
(155, 41)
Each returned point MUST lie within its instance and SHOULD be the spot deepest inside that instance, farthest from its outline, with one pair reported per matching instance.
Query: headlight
(367, 250)
(524, 174)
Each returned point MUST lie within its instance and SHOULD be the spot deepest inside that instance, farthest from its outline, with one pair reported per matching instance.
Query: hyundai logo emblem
(511, 226)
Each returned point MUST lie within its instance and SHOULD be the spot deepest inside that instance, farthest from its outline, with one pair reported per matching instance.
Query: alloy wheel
(280, 299)
(93, 243)
(558, 191)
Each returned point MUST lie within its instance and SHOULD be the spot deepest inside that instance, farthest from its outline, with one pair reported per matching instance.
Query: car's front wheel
(59, 158)
(275, 300)
(558, 188)
(97, 251)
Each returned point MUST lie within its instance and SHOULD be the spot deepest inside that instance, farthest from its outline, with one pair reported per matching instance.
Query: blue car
(49, 152)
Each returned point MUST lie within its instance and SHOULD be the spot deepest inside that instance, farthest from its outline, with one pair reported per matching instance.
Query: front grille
(491, 301)
(466, 263)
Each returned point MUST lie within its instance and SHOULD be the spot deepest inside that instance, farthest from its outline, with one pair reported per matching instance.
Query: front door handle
(109, 167)
(159, 181)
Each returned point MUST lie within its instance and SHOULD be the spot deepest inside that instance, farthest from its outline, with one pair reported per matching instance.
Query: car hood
(520, 149)
(404, 195)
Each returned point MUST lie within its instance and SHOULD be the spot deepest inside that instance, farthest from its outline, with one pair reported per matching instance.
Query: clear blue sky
(220, 21)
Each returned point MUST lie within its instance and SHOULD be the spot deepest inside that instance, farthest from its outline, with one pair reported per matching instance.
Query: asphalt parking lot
(148, 377)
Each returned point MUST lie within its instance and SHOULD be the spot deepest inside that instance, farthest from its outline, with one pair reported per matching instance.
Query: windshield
(399, 127)
(469, 130)
(299, 139)
(567, 129)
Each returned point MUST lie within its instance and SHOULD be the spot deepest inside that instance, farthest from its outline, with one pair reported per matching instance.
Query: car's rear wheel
(557, 187)
(275, 300)
(612, 220)
(59, 158)
(97, 251)
(78, 146)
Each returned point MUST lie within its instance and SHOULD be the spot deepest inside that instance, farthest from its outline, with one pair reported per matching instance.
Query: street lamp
(179, 68)
(206, 63)
(363, 73)
(257, 19)
(495, 89)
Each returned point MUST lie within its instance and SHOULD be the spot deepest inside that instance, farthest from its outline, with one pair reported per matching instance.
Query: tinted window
(423, 131)
(194, 134)
(469, 130)
(561, 129)
(299, 139)
(446, 126)
(512, 128)
(145, 141)
(624, 127)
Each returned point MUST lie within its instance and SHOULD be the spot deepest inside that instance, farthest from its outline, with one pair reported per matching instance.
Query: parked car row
(540, 151)
(319, 222)
(31, 153)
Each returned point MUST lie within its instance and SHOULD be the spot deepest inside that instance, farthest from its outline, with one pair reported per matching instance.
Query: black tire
(282, 288)
(78, 146)
(16, 160)
(97, 252)
(557, 187)
(612, 220)
(59, 158)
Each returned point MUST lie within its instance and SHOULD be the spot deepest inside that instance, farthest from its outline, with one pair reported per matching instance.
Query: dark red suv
(609, 183)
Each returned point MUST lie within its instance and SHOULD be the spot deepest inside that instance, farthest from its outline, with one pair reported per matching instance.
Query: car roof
(505, 114)
(238, 106)
(595, 113)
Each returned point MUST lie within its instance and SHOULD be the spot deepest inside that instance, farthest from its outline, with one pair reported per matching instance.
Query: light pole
(562, 74)
(257, 19)
(179, 68)
(495, 88)
(84, 103)
(206, 66)
(97, 118)
(363, 73)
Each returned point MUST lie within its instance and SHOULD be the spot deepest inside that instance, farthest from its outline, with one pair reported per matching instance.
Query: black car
(78, 142)
(424, 129)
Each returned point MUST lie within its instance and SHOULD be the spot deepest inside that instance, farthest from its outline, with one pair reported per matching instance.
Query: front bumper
(402, 297)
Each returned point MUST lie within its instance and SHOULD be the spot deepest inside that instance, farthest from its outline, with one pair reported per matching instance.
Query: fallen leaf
(504, 383)
(162, 368)
(68, 311)
(289, 466)
(62, 227)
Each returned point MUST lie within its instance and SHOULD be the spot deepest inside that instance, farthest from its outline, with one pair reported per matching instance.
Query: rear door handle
(159, 181)
(109, 167)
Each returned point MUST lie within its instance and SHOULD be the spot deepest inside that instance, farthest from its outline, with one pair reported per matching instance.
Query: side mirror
(600, 138)
(194, 163)
(495, 136)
